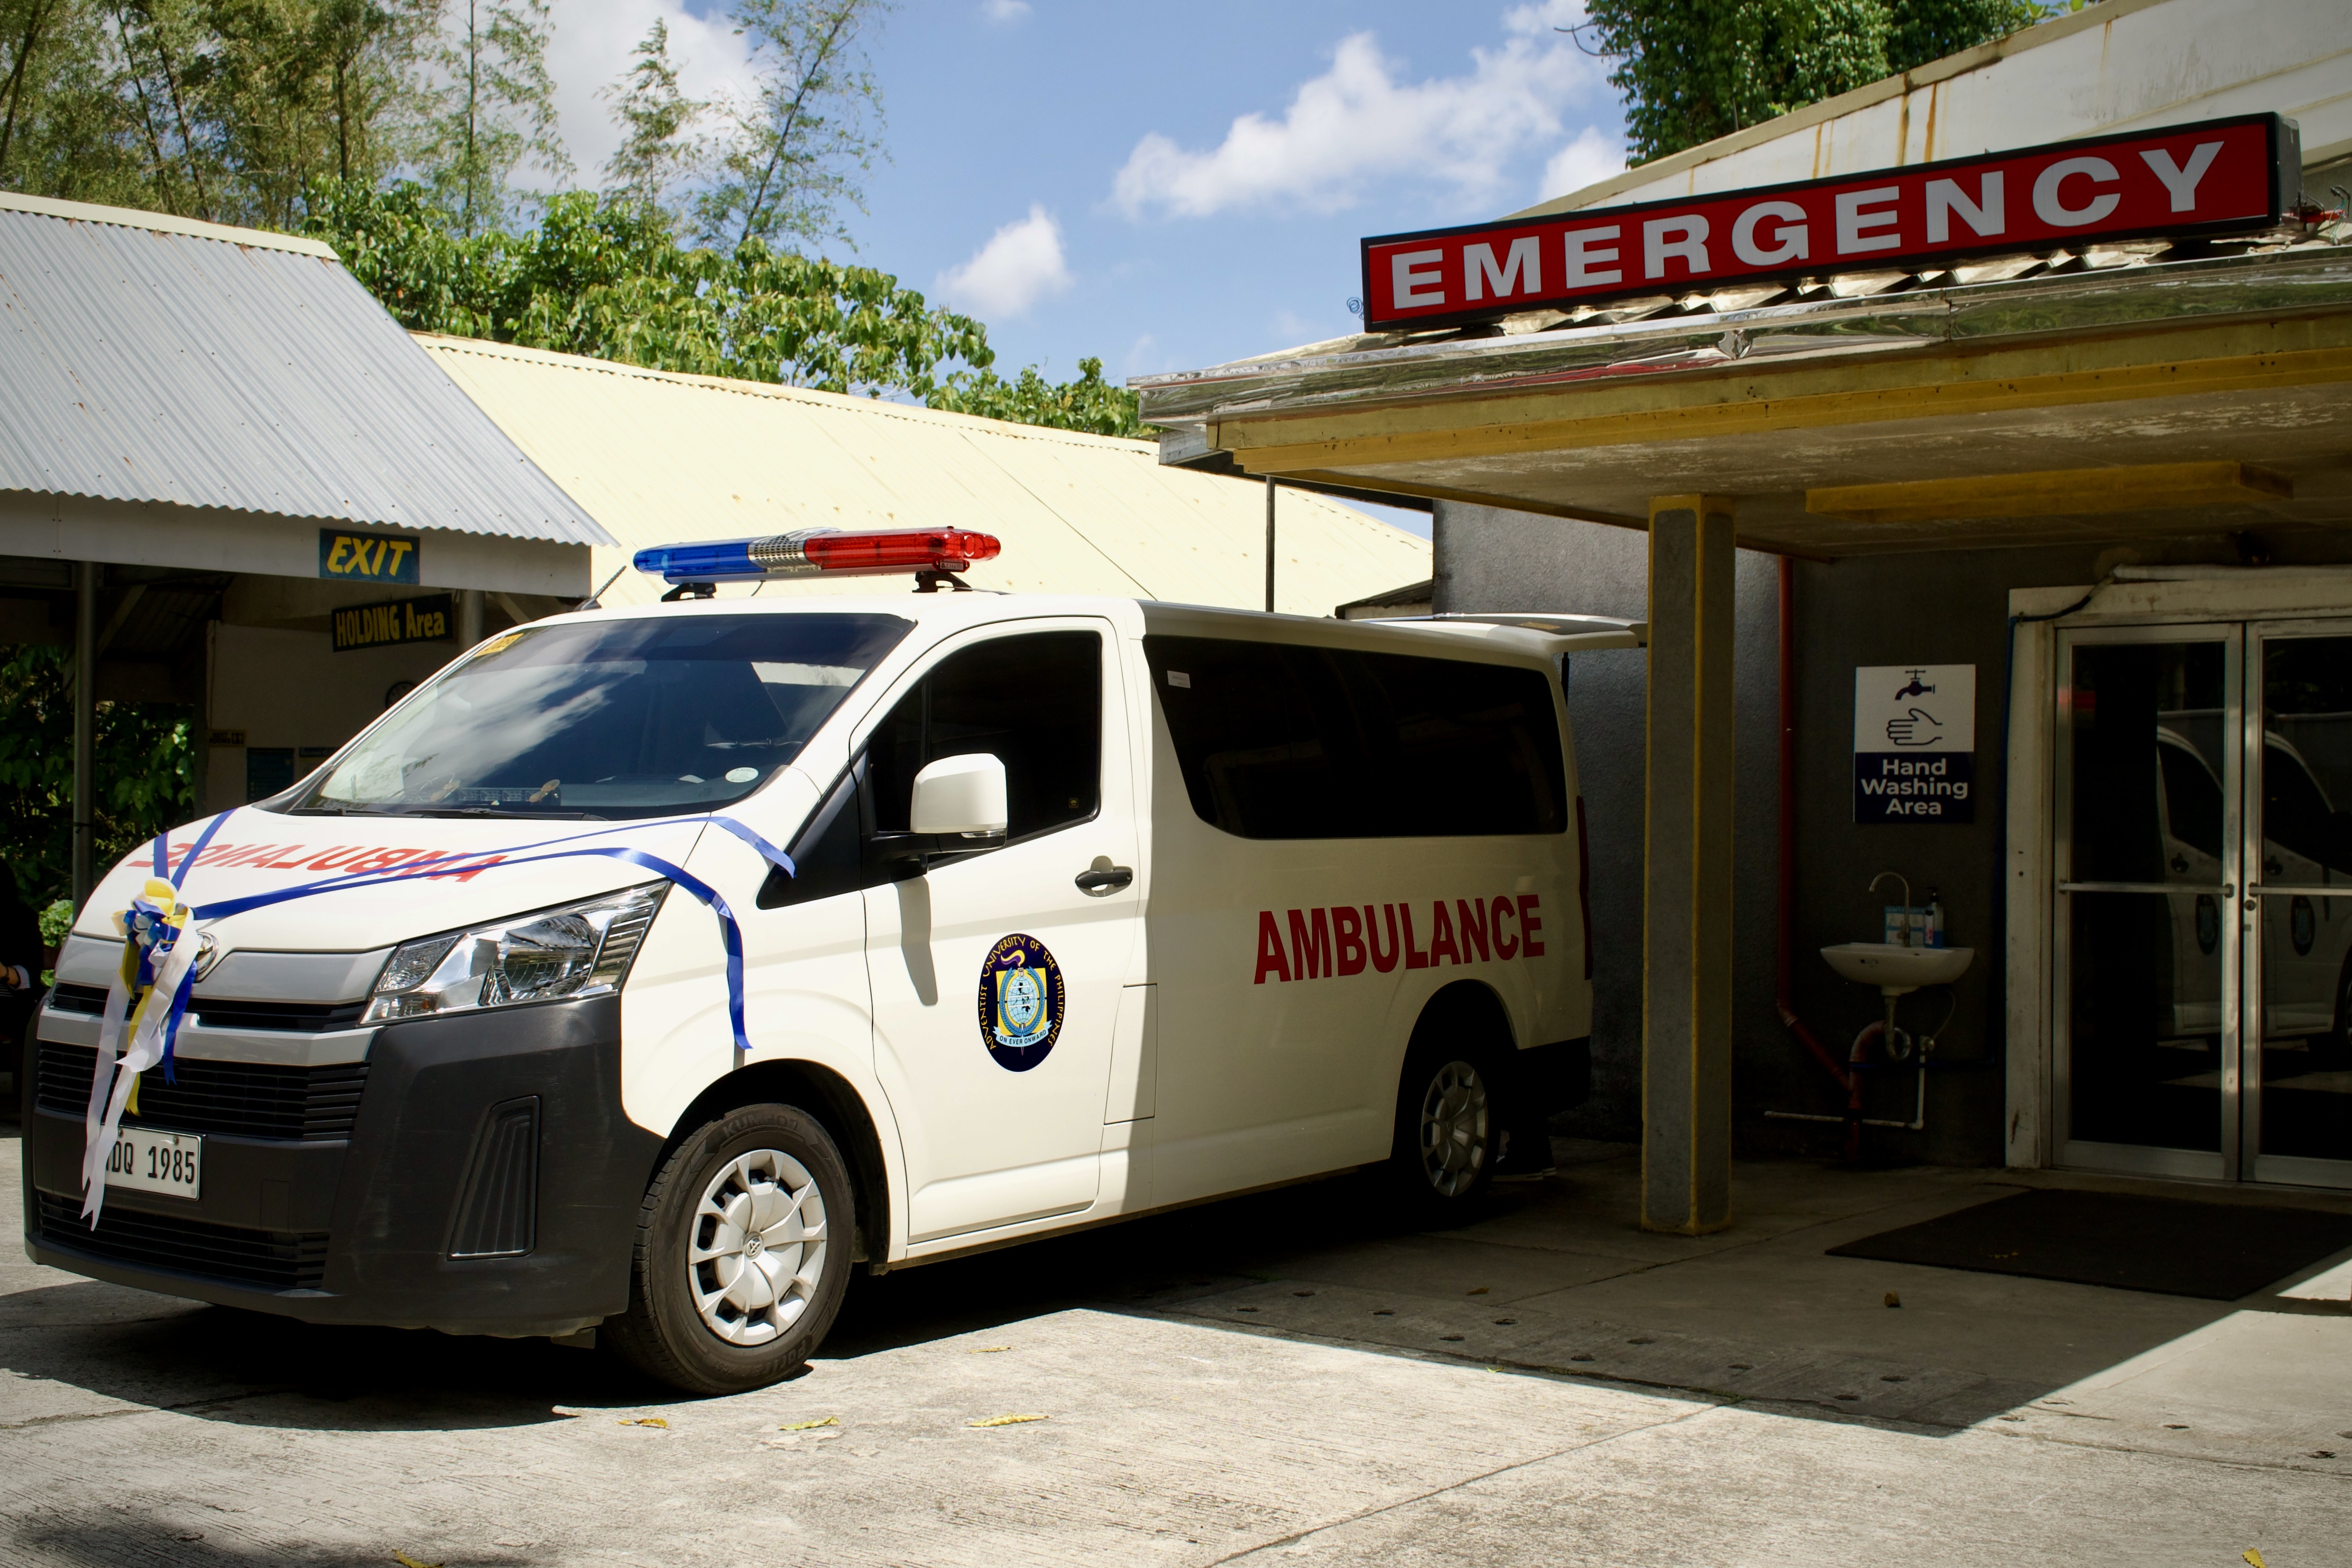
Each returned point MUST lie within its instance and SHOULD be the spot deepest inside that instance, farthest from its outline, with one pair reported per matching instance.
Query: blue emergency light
(830, 551)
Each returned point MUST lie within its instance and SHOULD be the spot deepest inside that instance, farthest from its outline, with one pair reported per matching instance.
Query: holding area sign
(1915, 741)
(2215, 176)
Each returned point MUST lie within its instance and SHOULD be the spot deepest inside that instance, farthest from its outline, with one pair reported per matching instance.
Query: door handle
(1102, 878)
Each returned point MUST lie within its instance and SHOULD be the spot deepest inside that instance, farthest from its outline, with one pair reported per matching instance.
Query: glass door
(2147, 848)
(2297, 740)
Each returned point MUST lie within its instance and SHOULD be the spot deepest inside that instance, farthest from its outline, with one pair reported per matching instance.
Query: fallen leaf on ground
(987, 1350)
(1004, 1420)
(2255, 1558)
(1893, 1300)
(810, 1425)
(1477, 1290)
(406, 1561)
(646, 1421)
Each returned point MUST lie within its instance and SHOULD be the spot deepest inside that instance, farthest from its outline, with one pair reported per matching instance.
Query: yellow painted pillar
(1688, 871)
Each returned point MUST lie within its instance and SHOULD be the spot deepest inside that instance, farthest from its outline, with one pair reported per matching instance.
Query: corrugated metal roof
(214, 367)
(659, 458)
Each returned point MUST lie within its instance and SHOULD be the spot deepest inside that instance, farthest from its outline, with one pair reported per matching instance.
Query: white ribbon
(111, 1080)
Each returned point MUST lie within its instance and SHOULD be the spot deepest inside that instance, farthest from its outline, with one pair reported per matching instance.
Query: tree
(217, 108)
(609, 279)
(496, 108)
(146, 765)
(657, 147)
(64, 126)
(1695, 69)
(793, 154)
(1089, 402)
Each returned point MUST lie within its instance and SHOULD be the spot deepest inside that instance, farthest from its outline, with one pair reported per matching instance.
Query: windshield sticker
(1020, 1003)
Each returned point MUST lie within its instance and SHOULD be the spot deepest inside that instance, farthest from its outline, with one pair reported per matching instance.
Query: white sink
(1896, 970)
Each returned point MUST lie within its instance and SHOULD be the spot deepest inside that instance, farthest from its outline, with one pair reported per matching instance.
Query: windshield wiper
(511, 815)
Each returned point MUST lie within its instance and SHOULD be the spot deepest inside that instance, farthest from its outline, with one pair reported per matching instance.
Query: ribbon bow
(147, 997)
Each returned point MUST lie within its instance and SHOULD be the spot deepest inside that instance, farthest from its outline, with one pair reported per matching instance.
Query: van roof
(945, 611)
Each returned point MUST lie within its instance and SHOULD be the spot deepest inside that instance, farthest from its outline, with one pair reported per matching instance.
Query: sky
(1164, 188)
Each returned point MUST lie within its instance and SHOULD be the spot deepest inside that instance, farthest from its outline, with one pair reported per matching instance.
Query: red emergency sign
(2216, 176)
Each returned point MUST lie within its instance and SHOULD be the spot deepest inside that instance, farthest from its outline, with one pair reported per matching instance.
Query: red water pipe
(1849, 1081)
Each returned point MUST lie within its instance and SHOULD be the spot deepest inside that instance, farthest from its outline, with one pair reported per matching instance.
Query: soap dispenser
(1935, 918)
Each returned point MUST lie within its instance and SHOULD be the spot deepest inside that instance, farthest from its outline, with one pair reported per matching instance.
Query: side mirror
(962, 796)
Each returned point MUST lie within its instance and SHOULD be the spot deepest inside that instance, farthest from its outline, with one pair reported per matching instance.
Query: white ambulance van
(647, 969)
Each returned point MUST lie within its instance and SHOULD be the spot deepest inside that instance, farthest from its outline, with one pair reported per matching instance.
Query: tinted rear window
(1277, 741)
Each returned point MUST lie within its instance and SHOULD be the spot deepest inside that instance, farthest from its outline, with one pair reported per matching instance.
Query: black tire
(663, 1333)
(1449, 1131)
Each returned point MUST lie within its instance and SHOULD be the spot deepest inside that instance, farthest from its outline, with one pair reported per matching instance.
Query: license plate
(148, 1161)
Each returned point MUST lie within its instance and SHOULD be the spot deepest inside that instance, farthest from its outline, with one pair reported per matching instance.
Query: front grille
(71, 998)
(272, 1259)
(286, 1017)
(236, 1100)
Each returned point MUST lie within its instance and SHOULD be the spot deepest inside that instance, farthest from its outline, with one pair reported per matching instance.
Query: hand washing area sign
(1914, 738)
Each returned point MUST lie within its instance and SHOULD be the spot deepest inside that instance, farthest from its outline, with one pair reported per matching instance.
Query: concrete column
(1688, 871)
(469, 617)
(85, 735)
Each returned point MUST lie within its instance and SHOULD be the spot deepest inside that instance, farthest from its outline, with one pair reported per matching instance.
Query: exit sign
(2216, 176)
(346, 555)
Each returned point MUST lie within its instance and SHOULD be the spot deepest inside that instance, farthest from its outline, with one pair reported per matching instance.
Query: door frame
(2133, 1159)
(2271, 1169)
(2295, 597)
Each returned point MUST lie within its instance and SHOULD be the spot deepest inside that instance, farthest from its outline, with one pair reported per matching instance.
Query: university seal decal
(1020, 1003)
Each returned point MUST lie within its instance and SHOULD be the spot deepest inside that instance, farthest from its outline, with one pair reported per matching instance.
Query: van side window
(1474, 747)
(1265, 736)
(1033, 701)
(1282, 741)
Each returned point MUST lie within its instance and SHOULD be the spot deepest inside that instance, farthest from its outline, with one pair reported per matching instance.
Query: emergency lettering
(1344, 939)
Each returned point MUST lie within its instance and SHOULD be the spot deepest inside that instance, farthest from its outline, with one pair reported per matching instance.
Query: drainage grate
(272, 1259)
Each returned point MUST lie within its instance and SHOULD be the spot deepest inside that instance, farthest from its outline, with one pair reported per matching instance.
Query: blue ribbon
(146, 960)
(730, 934)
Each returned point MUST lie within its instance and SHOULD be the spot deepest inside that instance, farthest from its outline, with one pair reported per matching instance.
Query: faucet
(1904, 926)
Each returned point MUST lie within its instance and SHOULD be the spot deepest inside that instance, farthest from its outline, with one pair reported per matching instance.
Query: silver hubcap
(1454, 1129)
(756, 1250)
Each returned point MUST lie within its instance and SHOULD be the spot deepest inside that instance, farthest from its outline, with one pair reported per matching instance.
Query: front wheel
(1447, 1132)
(742, 1254)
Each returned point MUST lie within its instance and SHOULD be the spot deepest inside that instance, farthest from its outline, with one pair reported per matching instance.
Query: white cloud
(1593, 157)
(592, 48)
(1004, 13)
(1358, 124)
(1020, 264)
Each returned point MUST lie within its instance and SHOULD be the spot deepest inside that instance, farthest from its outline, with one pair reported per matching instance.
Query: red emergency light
(828, 552)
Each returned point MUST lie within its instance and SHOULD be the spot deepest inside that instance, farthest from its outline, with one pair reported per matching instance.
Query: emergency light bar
(830, 551)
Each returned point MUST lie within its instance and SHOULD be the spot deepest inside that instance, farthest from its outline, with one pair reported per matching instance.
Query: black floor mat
(2169, 1245)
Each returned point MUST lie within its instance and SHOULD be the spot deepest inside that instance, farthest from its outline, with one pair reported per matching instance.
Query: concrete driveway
(1280, 1378)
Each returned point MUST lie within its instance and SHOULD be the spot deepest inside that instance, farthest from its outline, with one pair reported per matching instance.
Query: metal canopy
(151, 359)
(2234, 358)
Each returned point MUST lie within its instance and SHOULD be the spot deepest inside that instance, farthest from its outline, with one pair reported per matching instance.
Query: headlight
(579, 950)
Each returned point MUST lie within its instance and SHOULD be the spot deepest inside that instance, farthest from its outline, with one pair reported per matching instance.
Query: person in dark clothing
(20, 980)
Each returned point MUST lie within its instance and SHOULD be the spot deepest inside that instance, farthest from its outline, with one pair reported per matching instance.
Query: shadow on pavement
(219, 1364)
(98, 1536)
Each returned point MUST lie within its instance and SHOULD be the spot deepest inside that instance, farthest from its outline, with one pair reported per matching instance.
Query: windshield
(611, 719)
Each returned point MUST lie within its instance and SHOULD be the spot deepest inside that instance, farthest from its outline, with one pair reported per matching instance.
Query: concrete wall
(1942, 608)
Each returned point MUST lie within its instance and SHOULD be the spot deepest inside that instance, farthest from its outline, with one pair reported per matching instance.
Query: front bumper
(490, 1183)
